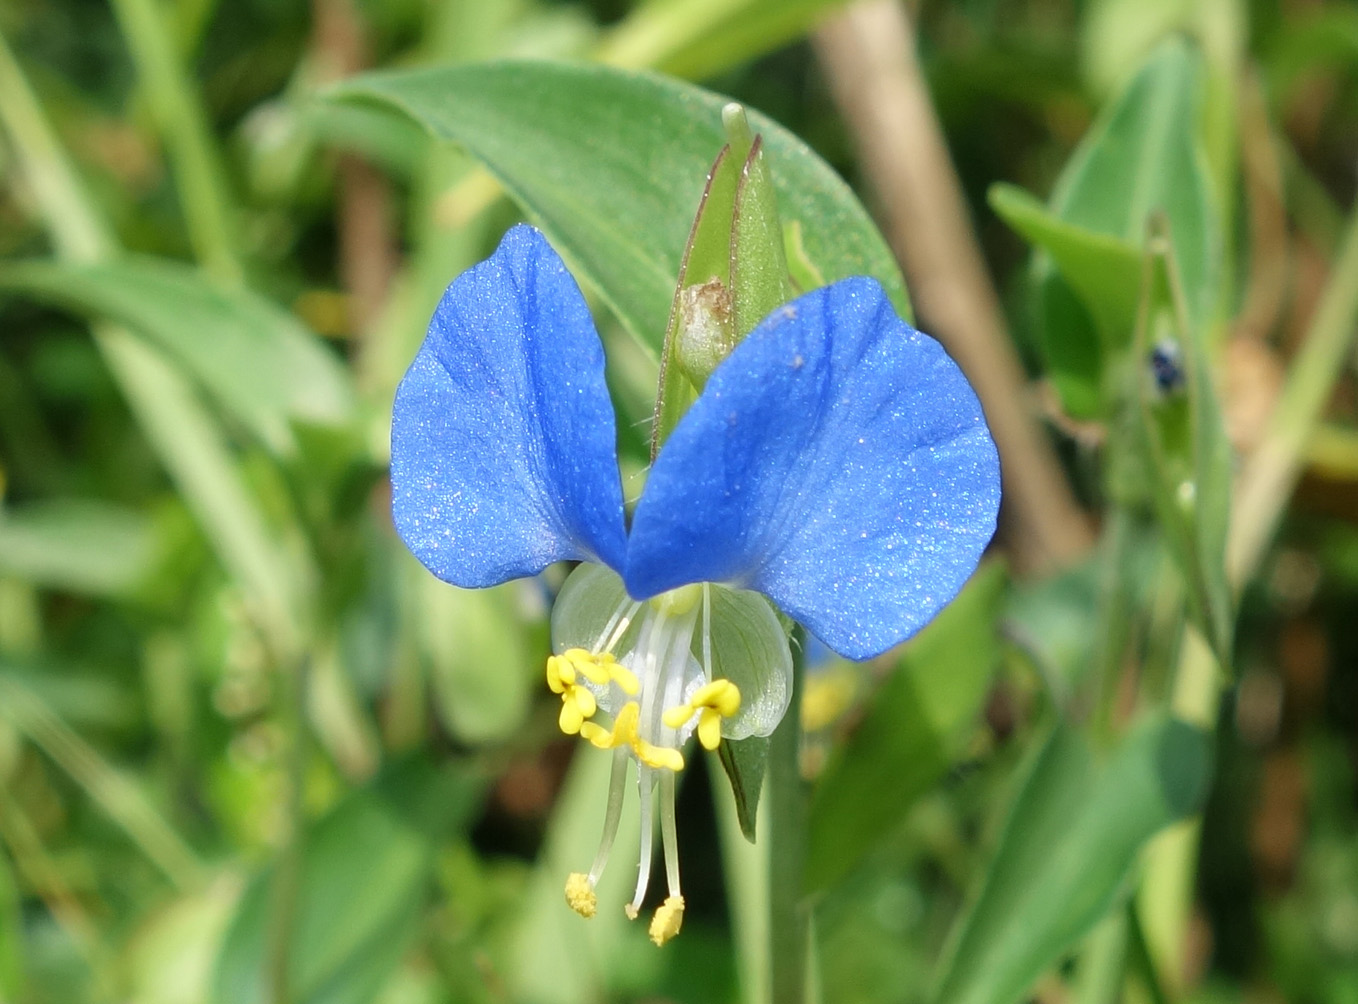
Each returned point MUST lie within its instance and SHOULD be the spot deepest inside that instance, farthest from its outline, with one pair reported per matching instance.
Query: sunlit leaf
(611, 165)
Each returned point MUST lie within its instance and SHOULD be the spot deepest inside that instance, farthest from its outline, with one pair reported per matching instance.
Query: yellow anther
(669, 917)
(560, 674)
(625, 733)
(577, 703)
(593, 667)
(713, 702)
(580, 894)
(660, 757)
(624, 728)
(598, 668)
(623, 677)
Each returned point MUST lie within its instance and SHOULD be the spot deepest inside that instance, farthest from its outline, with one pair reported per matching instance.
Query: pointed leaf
(1144, 154)
(1072, 838)
(610, 164)
(1104, 271)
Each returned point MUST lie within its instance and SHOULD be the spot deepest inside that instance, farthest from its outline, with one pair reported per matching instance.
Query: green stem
(1266, 485)
(1260, 499)
(173, 98)
(785, 792)
(747, 892)
(1110, 644)
(286, 888)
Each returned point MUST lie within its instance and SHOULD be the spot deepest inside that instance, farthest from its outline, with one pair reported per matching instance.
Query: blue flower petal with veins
(838, 462)
(503, 445)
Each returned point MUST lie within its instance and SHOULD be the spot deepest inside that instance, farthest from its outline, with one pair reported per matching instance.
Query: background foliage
(251, 751)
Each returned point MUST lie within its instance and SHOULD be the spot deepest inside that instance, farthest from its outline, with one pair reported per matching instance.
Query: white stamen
(669, 834)
(645, 782)
(617, 787)
(616, 627)
(707, 632)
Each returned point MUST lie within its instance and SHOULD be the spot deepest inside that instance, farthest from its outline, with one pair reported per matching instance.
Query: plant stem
(789, 942)
(287, 879)
(1260, 498)
(1266, 484)
(747, 892)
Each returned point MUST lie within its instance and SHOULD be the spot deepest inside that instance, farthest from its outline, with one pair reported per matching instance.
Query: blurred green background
(251, 751)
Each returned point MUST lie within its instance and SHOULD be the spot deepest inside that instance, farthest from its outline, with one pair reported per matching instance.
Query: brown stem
(368, 254)
(868, 53)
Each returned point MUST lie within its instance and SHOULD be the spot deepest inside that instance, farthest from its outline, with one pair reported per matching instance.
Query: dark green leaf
(1072, 837)
(611, 164)
(744, 762)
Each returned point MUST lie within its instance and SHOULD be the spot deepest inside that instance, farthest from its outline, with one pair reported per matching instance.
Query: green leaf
(611, 163)
(744, 761)
(914, 730)
(1186, 447)
(365, 872)
(82, 546)
(1104, 271)
(257, 360)
(698, 40)
(1071, 840)
(1143, 155)
(481, 667)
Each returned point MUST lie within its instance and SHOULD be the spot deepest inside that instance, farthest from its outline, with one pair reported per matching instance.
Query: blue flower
(837, 462)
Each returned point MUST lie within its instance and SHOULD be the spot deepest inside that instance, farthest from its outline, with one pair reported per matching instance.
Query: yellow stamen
(625, 732)
(560, 674)
(599, 668)
(580, 894)
(660, 757)
(669, 917)
(712, 702)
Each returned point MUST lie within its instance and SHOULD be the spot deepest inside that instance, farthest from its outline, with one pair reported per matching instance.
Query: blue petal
(838, 462)
(503, 443)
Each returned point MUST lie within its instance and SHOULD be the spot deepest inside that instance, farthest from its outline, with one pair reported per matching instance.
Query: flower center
(642, 671)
